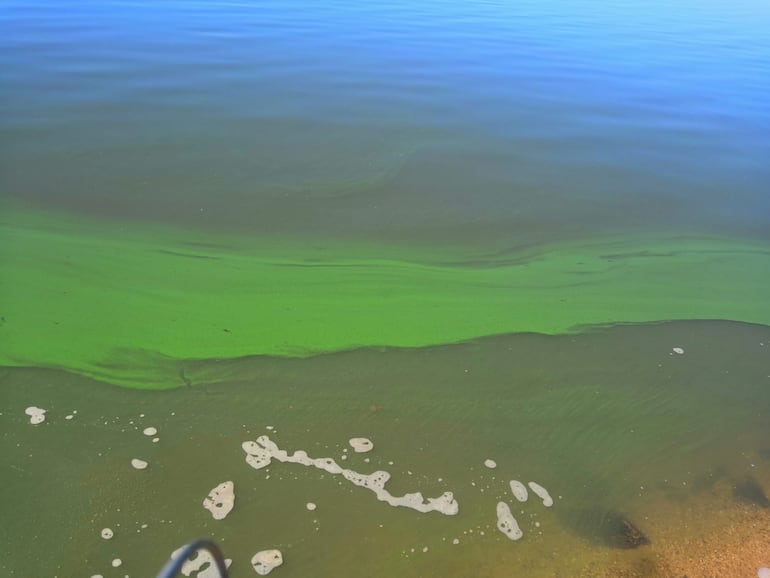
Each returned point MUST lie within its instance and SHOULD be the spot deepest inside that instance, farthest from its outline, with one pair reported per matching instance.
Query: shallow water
(611, 421)
(466, 231)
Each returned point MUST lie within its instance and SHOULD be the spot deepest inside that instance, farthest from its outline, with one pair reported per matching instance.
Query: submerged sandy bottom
(613, 423)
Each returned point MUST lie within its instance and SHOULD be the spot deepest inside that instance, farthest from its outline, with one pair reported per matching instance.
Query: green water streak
(127, 306)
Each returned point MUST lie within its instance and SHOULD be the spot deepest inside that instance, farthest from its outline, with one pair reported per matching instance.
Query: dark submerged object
(173, 567)
(608, 528)
(751, 492)
(626, 535)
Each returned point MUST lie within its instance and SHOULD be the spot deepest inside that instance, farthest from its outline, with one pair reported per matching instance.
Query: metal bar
(173, 567)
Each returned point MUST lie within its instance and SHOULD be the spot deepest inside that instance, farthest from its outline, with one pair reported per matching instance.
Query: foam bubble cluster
(361, 445)
(542, 493)
(506, 523)
(220, 500)
(259, 454)
(36, 414)
(201, 562)
(266, 560)
(519, 490)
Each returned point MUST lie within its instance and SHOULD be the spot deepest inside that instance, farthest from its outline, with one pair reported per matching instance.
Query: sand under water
(625, 434)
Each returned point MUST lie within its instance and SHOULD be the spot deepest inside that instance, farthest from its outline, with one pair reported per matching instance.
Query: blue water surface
(435, 119)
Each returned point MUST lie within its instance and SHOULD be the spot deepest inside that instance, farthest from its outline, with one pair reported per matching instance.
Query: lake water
(533, 232)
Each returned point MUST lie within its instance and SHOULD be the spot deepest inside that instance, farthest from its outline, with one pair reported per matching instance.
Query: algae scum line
(137, 306)
(650, 440)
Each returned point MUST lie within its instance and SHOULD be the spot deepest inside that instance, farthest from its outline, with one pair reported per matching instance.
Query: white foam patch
(36, 414)
(265, 561)
(138, 464)
(506, 523)
(220, 500)
(150, 431)
(361, 445)
(542, 493)
(519, 490)
(260, 453)
(256, 456)
(197, 561)
(107, 534)
(491, 464)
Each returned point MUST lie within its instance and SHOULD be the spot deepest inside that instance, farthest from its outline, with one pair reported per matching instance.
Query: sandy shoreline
(736, 545)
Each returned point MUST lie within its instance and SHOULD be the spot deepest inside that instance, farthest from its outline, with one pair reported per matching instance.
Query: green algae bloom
(130, 305)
